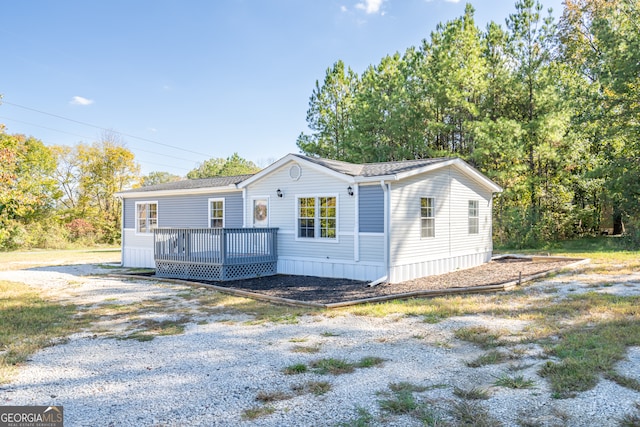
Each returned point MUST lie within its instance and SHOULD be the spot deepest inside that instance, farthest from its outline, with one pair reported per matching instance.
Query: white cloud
(79, 100)
(343, 8)
(370, 6)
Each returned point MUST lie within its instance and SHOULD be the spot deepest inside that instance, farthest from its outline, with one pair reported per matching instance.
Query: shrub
(80, 228)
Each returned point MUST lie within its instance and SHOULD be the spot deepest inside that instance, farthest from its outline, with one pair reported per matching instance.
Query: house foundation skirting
(215, 272)
(138, 257)
(410, 271)
(344, 269)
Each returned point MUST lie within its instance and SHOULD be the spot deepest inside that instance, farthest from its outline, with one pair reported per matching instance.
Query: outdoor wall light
(279, 193)
(350, 191)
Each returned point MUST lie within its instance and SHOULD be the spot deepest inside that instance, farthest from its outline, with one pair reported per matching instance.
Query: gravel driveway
(212, 374)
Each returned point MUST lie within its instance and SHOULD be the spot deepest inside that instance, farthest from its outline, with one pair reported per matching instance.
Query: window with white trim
(474, 217)
(317, 217)
(146, 217)
(216, 213)
(427, 217)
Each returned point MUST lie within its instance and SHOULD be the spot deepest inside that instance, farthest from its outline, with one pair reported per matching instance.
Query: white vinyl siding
(451, 190)
(427, 217)
(146, 217)
(283, 212)
(216, 213)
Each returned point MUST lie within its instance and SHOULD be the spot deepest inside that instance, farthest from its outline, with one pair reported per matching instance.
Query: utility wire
(88, 137)
(105, 129)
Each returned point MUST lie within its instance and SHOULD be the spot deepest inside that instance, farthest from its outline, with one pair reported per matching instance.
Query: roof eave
(158, 193)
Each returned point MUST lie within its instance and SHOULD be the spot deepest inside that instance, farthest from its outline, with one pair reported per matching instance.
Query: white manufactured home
(392, 221)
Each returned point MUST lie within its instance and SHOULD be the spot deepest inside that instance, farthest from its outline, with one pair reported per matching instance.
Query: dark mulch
(326, 291)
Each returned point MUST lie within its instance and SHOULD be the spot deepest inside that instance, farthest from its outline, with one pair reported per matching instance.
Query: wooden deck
(215, 253)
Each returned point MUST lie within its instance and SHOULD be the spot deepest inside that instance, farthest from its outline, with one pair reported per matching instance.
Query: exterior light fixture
(350, 191)
(279, 193)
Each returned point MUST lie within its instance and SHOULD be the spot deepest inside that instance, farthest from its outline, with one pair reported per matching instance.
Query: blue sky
(186, 80)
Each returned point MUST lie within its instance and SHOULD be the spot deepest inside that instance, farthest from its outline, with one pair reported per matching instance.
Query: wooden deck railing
(215, 253)
(221, 246)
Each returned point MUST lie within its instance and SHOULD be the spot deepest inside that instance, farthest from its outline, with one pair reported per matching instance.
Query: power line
(105, 129)
(88, 137)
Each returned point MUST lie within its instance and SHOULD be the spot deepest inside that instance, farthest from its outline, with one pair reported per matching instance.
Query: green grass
(474, 393)
(492, 357)
(148, 329)
(257, 412)
(305, 348)
(298, 368)
(363, 419)
(401, 401)
(317, 388)
(588, 351)
(515, 382)
(468, 413)
(369, 362)
(272, 396)
(479, 335)
(38, 258)
(331, 366)
(406, 387)
(30, 323)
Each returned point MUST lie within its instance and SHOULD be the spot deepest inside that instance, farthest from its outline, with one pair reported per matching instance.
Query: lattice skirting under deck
(175, 270)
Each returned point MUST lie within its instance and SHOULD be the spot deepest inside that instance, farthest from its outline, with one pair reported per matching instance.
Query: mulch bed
(327, 291)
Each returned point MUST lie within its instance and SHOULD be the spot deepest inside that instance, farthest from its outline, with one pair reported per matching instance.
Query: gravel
(212, 373)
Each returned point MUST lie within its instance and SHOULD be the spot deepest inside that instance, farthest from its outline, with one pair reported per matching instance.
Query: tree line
(57, 196)
(548, 110)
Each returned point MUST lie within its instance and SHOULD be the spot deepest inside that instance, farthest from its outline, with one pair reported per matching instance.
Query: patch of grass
(317, 388)
(515, 382)
(478, 335)
(305, 348)
(296, 340)
(399, 403)
(472, 414)
(364, 419)
(37, 257)
(331, 366)
(588, 351)
(148, 329)
(492, 357)
(272, 396)
(213, 302)
(407, 387)
(472, 393)
(257, 412)
(369, 362)
(298, 368)
(30, 323)
(624, 381)
(329, 334)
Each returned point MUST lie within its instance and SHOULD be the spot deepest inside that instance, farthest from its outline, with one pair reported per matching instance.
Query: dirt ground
(327, 291)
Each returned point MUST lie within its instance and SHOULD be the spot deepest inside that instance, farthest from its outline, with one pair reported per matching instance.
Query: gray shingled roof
(373, 169)
(189, 184)
(351, 169)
